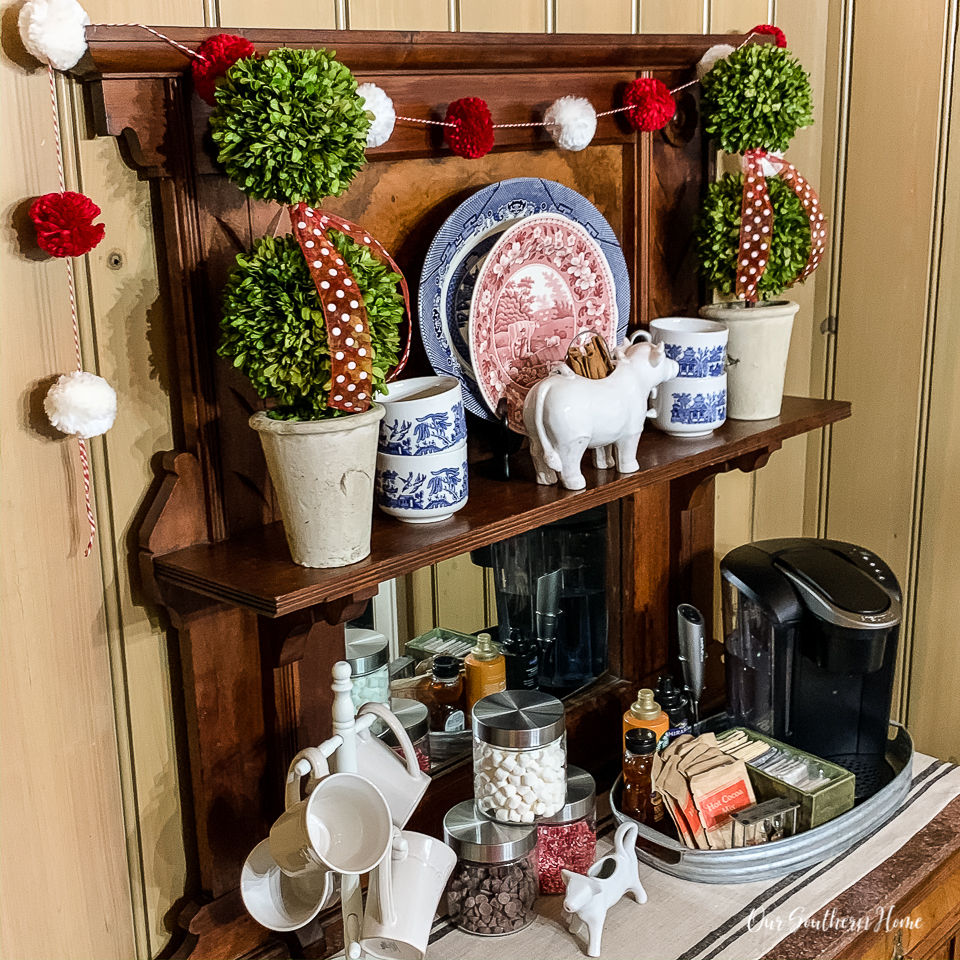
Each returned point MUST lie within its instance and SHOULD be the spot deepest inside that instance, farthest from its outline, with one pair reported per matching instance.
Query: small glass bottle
(519, 756)
(674, 705)
(494, 885)
(640, 801)
(485, 671)
(568, 839)
(522, 660)
(646, 712)
(446, 696)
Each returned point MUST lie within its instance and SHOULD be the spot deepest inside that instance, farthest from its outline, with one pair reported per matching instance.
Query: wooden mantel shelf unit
(254, 569)
(258, 635)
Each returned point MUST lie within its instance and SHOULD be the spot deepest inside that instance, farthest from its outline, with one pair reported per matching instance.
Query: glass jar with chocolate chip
(568, 839)
(494, 885)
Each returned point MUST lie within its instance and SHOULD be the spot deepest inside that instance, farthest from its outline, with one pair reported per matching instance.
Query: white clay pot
(757, 348)
(323, 473)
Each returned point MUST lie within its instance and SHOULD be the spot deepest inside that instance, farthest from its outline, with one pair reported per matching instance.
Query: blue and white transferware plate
(457, 254)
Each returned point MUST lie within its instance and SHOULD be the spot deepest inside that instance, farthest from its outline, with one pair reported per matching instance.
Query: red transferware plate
(545, 281)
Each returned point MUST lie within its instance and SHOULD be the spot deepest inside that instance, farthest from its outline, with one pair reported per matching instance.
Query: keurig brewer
(810, 636)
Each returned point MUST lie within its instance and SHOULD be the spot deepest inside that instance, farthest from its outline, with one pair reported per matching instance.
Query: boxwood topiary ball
(718, 236)
(758, 96)
(290, 126)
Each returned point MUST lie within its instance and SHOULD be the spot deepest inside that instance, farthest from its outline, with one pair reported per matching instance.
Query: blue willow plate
(458, 250)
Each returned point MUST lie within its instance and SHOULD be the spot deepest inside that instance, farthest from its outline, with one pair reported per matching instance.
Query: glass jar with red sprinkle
(415, 719)
(568, 839)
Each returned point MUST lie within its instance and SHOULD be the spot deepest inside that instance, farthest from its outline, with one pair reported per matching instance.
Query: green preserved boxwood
(718, 236)
(290, 126)
(275, 332)
(758, 96)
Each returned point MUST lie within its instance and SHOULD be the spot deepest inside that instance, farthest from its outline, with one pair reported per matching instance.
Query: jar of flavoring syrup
(568, 839)
(519, 756)
(415, 719)
(493, 888)
(368, 654)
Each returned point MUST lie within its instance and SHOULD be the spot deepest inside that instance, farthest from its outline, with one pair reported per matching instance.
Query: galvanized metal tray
(780, 857)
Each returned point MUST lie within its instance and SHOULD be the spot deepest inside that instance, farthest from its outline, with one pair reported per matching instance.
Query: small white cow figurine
(589, 898)
(566, 413)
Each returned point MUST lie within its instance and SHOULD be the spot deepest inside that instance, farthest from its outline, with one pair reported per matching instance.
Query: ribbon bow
(756, 220)
(348, 328)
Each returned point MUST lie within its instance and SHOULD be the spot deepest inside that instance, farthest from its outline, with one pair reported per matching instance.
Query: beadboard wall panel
(64, 866)
(400, 15)
(282, 14)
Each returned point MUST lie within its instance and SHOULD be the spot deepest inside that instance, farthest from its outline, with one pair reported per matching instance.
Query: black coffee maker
(810, 634)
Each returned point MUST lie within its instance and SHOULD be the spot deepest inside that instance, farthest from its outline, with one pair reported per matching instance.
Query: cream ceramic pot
(757, 347)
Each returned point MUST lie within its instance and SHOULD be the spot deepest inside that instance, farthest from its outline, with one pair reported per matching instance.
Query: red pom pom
(64, 223)
(472, 133)
(220, 54)
(775, 32)
(653, 104)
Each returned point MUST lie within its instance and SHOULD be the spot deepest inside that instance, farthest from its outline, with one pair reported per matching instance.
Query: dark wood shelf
(255, 570)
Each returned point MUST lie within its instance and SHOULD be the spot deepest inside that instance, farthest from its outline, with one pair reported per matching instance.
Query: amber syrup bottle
(640, 800)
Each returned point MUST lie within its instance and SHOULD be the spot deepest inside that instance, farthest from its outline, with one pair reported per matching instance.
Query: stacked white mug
(693, 404)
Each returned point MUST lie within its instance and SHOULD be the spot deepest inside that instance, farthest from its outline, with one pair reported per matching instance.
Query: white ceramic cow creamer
(566, 413)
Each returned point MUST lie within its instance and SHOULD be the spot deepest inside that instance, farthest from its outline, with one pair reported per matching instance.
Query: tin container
(780, 857)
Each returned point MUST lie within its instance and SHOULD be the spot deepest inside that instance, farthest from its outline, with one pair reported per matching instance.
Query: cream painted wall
(86, 665)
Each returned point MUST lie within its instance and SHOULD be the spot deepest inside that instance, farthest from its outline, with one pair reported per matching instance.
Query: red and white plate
(545, 281)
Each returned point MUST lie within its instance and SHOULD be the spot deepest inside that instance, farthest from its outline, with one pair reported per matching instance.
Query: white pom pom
(81, 403)
(709, 59)
(384, 116)
(52, 30)
(769, 165)
(572, 122)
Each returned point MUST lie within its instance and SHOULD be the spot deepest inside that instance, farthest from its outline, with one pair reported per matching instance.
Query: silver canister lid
(518, 719)
(473, 837)
(414, 717)
(367, 651)
(581, 798)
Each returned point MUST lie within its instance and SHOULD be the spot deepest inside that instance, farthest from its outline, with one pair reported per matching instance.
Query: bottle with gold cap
(646, 712)
(486, 671)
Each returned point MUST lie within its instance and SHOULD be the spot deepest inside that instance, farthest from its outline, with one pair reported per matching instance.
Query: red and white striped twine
(84, 459)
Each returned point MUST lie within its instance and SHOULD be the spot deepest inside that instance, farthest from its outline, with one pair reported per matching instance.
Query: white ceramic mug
(424, 415)
(343, 824)
(278, 901)
(403, 897)
(401, 782)
(691, 407)
(699, 346)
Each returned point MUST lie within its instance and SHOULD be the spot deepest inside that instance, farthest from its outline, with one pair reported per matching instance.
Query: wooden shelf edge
(255, 571)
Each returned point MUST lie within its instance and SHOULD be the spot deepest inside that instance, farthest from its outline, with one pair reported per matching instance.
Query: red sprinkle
(568, 846)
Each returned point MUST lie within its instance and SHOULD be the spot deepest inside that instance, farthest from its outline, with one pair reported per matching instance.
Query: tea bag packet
(676, 745)
(673, 787)
(707, 763)
(717, 793)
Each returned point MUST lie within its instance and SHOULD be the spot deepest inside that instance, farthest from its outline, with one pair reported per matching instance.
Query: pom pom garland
(219, 53)
(52, 31)
(775, 32)
(709, 60)
(471, 133)
(64, 223)
(572, 122)
(376, 101)
(81, 403)
(652, 104)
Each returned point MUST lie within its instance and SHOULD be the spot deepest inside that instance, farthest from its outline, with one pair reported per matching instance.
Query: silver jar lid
(367, 651)
(518, 719)
(473, 837)
(581, 798)
(413, 716)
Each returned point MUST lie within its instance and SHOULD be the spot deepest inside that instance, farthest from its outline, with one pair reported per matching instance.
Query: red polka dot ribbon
(348, 333)
(756, 222)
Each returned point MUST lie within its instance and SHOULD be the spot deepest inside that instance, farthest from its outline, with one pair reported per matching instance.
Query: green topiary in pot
(275, 332)
(757, 97)
(290, 126)
(718, 235)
